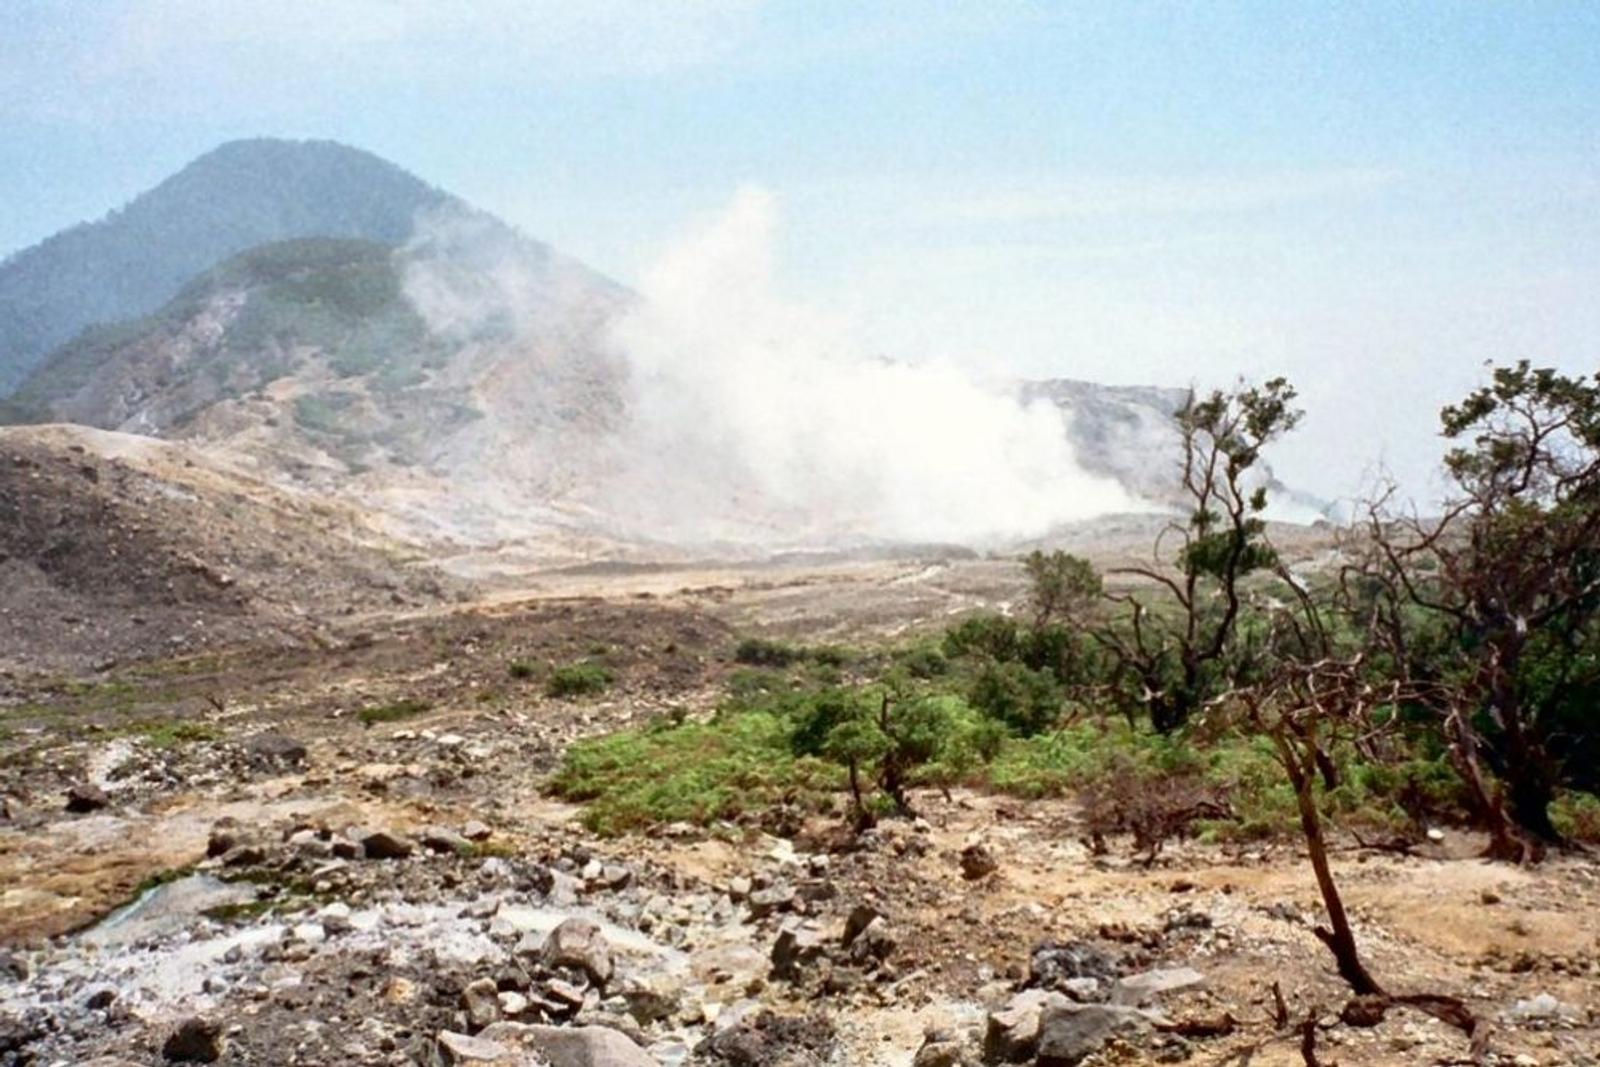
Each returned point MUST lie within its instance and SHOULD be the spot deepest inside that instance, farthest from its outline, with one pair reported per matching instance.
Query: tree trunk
(1506, 840)
(1338, 936)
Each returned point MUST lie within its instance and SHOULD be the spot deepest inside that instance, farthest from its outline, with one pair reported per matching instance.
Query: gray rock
(579, 943)
(473, 830)
(1011, 1035)
(384, 845)
(335, 918)
(939, 1050)
(1051, 963)
(462, 1050)
(876, 942)
(196, 1040)
(1070, 1033)
(764, 902)
(481, 999)
(441, 839)
(13, 966)
(1543, 1008)
(651, 998)
(572, 1046)
(798, 944)
(273, 748)
(861, 916)
(1142, 988)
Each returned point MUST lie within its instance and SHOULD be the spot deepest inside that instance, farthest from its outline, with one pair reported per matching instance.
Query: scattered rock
(1053, 962)
(1069, 1033)
(1543, 1008)
(473, 830)
(978, 862)
(384, 845)
(481, 999)
(196, 1040)
(798, 944)
(440, 839)
(765, 902)
(571, 1046)
(1364, 1011)
(275, 749)
(463, 1050)
(1011, 1035)
(1142, 988)
(83, 798)
(579, 943)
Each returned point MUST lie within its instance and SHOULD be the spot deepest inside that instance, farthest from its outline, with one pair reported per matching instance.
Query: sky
(1371, 199)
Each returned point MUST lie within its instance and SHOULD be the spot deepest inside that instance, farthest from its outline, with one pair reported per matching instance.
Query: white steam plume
(752, 418)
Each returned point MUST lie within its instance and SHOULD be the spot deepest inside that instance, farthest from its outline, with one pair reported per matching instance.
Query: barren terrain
(329, 847)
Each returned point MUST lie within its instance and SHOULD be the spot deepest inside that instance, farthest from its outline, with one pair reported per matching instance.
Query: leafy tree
(1176, 659)
(1510, 577)
(1061, 585)
(1025, 700)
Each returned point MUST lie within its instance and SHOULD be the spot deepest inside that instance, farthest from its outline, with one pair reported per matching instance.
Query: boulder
(196, 1040)
(275, 749)
(1070, 1033)
(441, 839)
(83, 798)
(1146, 986)
(571, 1046)
(481, 999)
(978, 862)
(579, 943)
(1011, 1034)
(385, 845)
(798, 944)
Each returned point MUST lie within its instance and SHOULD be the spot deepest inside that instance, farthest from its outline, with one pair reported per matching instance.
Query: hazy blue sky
(1370, 198)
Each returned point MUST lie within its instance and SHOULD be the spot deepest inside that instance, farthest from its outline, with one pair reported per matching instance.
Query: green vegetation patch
(579, 680)
(690, 772)
(392, 712)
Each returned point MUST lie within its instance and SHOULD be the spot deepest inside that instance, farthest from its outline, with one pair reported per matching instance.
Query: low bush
(392, 712)
(691, 772)
(578, 680)
(1025, 700)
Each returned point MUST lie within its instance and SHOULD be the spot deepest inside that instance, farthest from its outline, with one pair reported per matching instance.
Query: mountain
(238, 196)
(467, 385)
(312, 360)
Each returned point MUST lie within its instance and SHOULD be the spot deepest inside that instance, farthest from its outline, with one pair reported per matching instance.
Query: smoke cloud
(752, 417)
(711, 410)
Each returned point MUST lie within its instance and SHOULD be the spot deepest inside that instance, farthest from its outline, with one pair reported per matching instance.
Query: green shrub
(578, 680)
(761, 652)
(993, 636)
(1577, 816)
(522, 669)
(690, 772)
(393, 712)
(924, 663)
(180, 732)
(1027, 701)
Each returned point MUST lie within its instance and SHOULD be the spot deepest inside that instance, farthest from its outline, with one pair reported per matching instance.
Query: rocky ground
(116, 548)
(341, 854)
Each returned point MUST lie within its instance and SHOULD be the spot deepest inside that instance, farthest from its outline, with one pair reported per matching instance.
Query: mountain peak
(238, 195)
